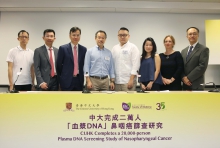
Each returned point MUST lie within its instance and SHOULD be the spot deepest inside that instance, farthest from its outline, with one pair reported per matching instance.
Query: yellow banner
(67, 119)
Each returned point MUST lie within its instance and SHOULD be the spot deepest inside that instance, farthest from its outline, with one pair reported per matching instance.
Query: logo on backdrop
(126, 106)
(69, 107)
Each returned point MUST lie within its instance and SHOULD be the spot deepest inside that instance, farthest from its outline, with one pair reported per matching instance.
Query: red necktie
(75, 71)
(51, 63)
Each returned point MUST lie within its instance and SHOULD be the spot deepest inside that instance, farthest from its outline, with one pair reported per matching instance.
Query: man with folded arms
(98, 65)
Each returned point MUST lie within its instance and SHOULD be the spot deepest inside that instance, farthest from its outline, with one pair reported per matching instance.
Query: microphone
(139, 91)
(85, 91)
(14, 90)
(213, 90)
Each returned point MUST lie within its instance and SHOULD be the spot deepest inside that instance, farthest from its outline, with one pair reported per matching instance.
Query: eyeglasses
(123, 35)
(24, 37)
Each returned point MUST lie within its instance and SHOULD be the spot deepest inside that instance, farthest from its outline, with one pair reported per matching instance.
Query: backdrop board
(212, 33)
(67, 119)
(140, 25)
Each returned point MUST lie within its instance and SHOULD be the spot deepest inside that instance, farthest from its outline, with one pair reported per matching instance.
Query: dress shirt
(126, 62)
(99, 62)
(24, 59)
(53, 56)
(194, 45)
(72, 46)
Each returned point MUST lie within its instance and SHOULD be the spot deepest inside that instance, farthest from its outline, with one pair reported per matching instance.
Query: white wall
(141, 25)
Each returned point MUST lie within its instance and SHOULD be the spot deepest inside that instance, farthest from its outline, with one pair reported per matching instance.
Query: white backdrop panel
(141, 26)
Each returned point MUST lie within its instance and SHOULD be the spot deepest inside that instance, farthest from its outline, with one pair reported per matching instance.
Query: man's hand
(89, 85)
(186, 81)
(11, 87)
(33, 88)
(112, 85)
(44, 86)
(130, 83)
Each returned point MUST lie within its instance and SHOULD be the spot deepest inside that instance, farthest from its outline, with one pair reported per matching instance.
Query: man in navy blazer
(70, 62)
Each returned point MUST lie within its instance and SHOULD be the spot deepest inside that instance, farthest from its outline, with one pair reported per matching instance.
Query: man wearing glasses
(195, 57)
(126, 58)
(70, 63)
(20, 62)
(45, 63)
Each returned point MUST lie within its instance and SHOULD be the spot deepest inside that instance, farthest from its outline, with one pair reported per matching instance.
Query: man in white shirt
(126, 58)
(20, 62)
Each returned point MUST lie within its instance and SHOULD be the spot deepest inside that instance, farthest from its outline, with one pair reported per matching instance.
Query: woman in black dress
(171, 66)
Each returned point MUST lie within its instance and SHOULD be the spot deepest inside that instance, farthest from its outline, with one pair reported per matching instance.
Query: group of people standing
(116, 69)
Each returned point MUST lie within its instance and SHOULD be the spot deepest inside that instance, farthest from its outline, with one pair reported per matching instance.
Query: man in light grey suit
(45, 58)
(195, 57)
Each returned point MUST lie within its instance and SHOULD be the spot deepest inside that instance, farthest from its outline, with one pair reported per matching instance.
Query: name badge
(125, 52)
(107, 58)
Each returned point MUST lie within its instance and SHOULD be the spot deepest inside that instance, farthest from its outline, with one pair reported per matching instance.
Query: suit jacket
(65, 64)
(195, 66)
(42, 65)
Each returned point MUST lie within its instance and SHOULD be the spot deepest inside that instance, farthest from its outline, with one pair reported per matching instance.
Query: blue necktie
(189, 52)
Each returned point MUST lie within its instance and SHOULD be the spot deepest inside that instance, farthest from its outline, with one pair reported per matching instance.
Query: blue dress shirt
(99, 62)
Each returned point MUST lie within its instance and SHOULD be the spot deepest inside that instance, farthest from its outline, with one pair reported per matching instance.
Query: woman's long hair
(154, 50)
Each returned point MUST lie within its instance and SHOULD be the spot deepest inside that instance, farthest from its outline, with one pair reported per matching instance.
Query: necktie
(75, 71)
(51, 63)
(189, 52)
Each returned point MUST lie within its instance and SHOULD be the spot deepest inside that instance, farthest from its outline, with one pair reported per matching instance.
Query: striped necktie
(189, 52)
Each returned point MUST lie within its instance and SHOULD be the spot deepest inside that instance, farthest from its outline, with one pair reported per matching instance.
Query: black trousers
(23, 87)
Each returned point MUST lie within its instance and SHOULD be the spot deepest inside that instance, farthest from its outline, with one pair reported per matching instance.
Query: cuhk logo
(126, 106)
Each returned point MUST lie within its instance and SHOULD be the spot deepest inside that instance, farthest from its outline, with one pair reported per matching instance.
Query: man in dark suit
(195, 57)
(45, 63)
(70, 62)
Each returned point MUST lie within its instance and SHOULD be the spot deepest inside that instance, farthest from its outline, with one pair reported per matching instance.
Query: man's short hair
(74, 29)
(194, 28)
(123, 28)
(49, 30)
(22, 31)
(101, 31)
